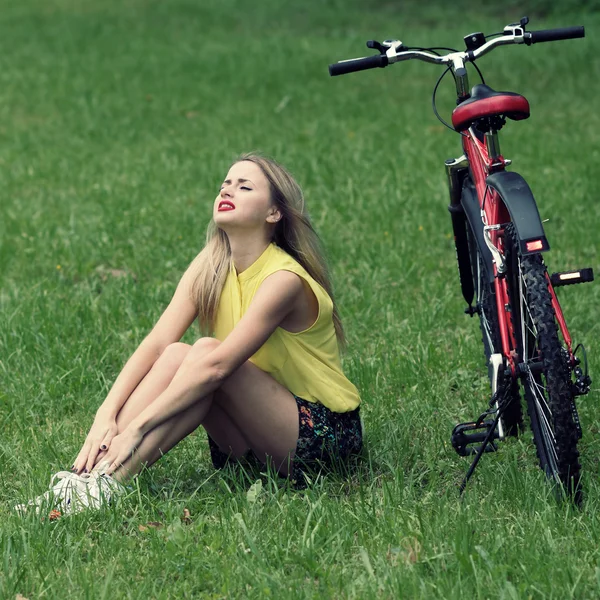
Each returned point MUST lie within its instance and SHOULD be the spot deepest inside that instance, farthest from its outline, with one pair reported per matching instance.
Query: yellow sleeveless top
(306, 363)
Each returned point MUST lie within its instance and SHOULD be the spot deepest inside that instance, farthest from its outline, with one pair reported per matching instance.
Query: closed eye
(246, 188)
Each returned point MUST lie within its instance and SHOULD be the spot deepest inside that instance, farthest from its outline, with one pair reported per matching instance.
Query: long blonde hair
(293, 233)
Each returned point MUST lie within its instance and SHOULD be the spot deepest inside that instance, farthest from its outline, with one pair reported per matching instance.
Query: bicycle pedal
(466, 434)
(572, 277)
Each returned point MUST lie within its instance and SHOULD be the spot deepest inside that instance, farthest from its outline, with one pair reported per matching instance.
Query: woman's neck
(245, 250)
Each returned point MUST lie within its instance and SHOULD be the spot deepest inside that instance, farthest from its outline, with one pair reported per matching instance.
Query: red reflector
(535, 245)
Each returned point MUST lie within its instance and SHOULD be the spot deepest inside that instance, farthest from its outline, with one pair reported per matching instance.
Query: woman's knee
(203, 346)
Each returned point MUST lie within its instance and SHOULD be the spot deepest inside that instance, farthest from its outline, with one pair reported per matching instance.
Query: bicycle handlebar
(512, 35)
(358, 64)
(553, 35)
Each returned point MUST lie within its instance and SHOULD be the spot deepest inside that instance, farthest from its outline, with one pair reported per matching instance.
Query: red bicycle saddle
(485, 102)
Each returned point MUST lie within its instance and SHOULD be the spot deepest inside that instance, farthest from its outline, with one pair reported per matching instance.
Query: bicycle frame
(484, 158)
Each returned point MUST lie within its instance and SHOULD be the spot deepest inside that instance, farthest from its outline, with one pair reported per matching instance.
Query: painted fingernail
(85, 470)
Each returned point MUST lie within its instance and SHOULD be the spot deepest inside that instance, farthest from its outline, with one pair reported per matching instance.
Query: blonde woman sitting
(269, 382)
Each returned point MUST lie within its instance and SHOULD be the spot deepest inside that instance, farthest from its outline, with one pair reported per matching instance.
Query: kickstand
(481, 449)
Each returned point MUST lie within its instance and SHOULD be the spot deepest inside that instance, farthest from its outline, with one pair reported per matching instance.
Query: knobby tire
(547, 378)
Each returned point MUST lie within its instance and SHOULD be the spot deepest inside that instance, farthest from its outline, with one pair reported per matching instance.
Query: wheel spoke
(486, 327)
(543, 412)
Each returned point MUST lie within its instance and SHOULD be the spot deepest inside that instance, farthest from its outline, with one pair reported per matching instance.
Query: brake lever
(377, 45)
(385, 46)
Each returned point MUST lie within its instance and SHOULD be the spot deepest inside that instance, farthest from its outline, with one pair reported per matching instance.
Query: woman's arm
(272, 303)
(173, 323)
(196, 378)
(171, 326)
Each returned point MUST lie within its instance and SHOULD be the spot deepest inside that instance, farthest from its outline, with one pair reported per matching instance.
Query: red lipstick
(225, 205)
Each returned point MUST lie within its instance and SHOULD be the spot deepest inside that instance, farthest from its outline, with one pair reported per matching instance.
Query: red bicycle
(499, 240)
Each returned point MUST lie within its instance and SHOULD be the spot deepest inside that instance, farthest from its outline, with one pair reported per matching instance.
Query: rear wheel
(546, 375)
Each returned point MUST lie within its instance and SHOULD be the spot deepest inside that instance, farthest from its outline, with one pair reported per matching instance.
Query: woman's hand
(121, 449)
(99, 439)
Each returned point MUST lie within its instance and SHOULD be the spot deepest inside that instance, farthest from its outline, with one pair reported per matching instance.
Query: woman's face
(244, 200)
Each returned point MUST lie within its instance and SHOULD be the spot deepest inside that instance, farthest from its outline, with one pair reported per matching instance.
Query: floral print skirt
(326, 440)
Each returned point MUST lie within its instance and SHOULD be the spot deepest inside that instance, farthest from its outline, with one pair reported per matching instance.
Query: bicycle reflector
(534, 245)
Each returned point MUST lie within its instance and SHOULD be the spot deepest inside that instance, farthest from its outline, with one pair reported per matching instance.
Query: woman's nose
(226, 192)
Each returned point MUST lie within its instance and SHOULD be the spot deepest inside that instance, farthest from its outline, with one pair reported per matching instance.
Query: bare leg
(151, 386)
(250, 410)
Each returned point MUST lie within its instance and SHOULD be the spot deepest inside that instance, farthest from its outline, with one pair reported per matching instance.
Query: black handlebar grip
(553, 35)
(358, 64)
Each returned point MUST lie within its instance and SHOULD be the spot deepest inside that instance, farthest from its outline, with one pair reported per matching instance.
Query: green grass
(117, 123)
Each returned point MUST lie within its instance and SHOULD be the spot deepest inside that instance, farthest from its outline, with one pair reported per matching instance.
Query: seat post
(492, 144)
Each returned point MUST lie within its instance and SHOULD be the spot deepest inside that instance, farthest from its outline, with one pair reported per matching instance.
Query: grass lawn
(118, 120)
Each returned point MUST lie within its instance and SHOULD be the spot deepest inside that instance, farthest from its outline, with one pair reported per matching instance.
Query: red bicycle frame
(496, 216)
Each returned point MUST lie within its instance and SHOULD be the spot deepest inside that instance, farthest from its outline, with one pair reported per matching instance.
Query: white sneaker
(102, 489)
(73, 493)
(59, 495)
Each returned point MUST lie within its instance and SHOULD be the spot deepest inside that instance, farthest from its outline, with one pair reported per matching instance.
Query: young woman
(269, 382)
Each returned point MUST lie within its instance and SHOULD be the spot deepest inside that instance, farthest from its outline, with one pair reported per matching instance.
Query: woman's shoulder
(283, 261)
(280, 259)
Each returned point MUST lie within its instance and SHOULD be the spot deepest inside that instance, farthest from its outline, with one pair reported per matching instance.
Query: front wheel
(546, 377)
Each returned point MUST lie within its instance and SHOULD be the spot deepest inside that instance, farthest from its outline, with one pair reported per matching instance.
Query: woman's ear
(274, 215)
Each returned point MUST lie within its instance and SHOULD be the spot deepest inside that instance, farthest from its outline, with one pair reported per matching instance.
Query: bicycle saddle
(486, 102)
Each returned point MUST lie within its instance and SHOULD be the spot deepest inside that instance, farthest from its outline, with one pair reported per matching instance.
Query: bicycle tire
(485, 295)
(546, 377)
